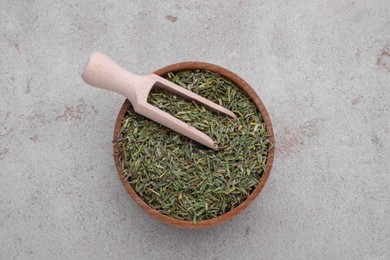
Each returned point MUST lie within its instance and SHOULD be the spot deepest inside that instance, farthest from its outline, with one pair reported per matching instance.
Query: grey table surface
(321, 67)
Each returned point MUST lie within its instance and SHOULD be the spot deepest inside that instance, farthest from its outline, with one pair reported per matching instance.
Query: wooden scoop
(103, 72)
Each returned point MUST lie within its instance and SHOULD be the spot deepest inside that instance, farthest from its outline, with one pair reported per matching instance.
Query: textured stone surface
(321, 67)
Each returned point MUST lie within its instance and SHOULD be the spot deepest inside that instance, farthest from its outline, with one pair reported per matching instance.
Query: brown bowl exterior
(239, 82)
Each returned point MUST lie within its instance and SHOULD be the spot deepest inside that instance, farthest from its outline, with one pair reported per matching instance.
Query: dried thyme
(181, 178)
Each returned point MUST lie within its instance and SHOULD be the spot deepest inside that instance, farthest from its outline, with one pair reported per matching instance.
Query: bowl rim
(243, 85)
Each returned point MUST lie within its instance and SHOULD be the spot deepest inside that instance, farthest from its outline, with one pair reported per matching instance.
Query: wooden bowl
(239, 82)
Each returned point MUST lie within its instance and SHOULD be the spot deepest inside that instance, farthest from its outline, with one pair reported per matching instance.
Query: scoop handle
(102, 72)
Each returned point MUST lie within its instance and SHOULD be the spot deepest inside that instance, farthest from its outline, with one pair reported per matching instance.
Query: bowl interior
(239, 82)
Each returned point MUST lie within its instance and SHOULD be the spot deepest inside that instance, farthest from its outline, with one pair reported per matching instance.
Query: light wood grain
(102, 72)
